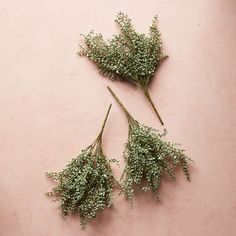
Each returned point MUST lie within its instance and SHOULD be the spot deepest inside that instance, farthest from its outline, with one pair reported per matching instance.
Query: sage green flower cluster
(129, 56)
(85, 186)
(148, 157)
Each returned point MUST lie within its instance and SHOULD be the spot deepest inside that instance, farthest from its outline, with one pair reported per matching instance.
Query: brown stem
(97, 143)
(104, 122)
(147, 95)
(128, 115)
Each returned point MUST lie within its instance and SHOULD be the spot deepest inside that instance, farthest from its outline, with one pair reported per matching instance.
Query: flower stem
(147, 95)
(104, 122)
(128, 115)
(96, 146)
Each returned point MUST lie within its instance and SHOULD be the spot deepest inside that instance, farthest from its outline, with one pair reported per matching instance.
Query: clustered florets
(85, 186)
(148, 157)
(129, 55)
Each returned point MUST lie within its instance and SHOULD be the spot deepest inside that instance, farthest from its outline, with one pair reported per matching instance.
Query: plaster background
(52, 104)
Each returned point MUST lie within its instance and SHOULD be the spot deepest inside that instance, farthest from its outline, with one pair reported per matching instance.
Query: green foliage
(129, 55)
(148, 157)
(85, 185)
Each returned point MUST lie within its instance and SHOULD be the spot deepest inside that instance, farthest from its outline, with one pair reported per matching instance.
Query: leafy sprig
(85, 185)
(129, 55)
(148, 157)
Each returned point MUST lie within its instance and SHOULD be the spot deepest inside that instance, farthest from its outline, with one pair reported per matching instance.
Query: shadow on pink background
(53, 102)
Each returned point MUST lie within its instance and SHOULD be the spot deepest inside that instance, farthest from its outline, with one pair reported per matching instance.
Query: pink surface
(53, 102)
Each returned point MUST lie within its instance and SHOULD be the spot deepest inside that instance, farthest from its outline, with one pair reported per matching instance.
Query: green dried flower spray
(148, 157)
(129, 55)
(85, 185)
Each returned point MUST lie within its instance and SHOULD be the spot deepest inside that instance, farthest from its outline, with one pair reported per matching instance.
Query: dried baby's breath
(129, 55)
(85, 185)
(148, 157)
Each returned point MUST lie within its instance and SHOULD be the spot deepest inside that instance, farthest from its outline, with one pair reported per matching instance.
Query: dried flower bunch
(85, 186)
(129, 55)
(148, 157)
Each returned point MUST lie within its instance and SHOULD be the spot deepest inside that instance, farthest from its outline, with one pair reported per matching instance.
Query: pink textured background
(52, 103)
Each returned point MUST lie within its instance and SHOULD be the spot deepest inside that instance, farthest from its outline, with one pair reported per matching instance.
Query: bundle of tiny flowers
(148, 157)
(85, 185)
(129, 56)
